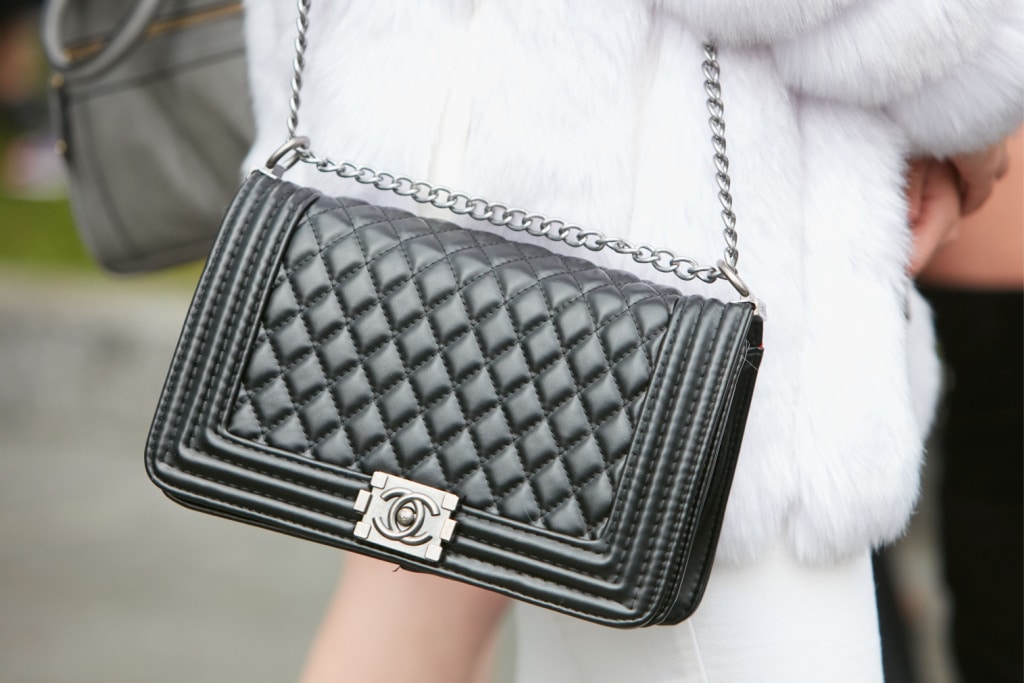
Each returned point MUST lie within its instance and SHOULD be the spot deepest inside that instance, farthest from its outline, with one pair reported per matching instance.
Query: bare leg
(387, 626)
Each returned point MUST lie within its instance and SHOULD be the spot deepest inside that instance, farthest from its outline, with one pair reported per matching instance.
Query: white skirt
(774, 621)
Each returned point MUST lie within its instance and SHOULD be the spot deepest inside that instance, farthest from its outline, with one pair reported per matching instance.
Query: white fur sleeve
(948, 71)
(748, 22)
(976, 104)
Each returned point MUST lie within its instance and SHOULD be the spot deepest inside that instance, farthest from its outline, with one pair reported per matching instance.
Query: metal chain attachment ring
(297, 149)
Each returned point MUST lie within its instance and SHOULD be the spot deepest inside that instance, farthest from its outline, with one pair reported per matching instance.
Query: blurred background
(101, 578)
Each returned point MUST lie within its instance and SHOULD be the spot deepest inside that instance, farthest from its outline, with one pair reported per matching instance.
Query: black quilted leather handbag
(457, 403)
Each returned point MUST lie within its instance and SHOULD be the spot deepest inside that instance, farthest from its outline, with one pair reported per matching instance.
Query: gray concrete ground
(104, 580)
(101, 577)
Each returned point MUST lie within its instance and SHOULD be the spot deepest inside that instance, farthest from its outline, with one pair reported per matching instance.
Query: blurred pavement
(102, 579)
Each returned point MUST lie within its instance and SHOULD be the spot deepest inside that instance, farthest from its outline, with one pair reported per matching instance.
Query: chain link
(519, 220)
(298, 64)
(716, 109)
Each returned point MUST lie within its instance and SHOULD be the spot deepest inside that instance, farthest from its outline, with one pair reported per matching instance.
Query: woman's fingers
(916, 170)
(978, 173)
(939, 215)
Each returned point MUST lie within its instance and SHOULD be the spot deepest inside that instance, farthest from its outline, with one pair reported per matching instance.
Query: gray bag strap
(128, 32)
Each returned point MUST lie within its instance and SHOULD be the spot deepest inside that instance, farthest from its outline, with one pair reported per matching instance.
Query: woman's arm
(388, 625)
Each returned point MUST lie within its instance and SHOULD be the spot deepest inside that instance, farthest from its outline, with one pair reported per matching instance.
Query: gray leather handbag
(151, 108)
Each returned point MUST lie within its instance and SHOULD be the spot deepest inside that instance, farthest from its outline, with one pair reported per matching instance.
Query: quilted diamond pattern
(495, 369)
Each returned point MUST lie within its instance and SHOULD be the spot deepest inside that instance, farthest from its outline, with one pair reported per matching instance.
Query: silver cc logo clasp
(405, 516)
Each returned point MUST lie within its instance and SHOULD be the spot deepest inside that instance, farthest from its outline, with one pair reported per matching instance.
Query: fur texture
(880, 50)
(594, 110)
(742, 22)
(971, 106)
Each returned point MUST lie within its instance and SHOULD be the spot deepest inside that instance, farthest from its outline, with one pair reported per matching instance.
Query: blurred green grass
(38, 232)
(41, 233)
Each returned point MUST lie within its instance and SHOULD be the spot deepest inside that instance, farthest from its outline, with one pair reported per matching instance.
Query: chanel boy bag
(458, 403)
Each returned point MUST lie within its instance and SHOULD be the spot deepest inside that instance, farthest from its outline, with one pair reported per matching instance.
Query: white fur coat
(593, 110)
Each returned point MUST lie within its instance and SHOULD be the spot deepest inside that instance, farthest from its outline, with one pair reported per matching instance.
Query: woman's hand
(935, 207)
(978, 173)
(940, 192)
(989, 253)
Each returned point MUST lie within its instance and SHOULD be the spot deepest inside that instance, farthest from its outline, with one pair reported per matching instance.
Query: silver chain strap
(297, 149)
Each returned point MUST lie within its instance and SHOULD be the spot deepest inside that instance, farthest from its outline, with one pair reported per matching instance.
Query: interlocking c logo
(406, 514)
